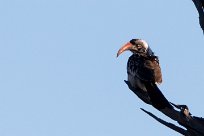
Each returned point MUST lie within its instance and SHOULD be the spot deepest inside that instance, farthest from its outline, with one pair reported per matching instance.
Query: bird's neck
(149, 52)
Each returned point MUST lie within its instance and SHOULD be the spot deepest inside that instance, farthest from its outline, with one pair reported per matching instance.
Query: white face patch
(145, 44)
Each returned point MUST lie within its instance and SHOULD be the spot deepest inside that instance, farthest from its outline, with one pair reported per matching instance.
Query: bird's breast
(144, 69)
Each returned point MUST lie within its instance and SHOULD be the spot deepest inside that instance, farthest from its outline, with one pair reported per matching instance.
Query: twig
(170, 125)
(194, 125)
(199, 4)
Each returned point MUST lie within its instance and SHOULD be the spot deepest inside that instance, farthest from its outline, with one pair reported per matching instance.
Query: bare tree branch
(170, 125)
(199, 4)
(194, 125)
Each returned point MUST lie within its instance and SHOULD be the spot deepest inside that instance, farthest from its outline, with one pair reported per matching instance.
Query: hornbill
(144, 73)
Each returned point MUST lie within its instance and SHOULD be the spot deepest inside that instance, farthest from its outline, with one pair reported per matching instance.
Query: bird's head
(137, 46)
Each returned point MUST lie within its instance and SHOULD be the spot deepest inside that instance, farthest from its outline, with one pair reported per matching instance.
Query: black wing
(145, 68)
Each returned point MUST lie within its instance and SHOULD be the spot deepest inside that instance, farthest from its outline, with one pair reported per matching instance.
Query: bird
(144, 72)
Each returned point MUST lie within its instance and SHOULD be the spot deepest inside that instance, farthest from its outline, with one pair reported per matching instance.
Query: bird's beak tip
(118, 54)
(124, 48)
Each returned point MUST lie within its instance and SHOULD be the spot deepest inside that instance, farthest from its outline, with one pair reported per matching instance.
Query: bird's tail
(143, 95)
(157, 98)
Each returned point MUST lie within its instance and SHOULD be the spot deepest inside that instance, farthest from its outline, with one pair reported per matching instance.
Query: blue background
(59, 75)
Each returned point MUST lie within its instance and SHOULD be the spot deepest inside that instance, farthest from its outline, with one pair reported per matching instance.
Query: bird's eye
(139, 46)
(134, 47)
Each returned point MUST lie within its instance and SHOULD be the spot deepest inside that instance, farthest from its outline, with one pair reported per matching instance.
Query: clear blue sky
(59, 75)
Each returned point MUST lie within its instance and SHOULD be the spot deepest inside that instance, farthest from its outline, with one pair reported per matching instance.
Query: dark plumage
(144, 72)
